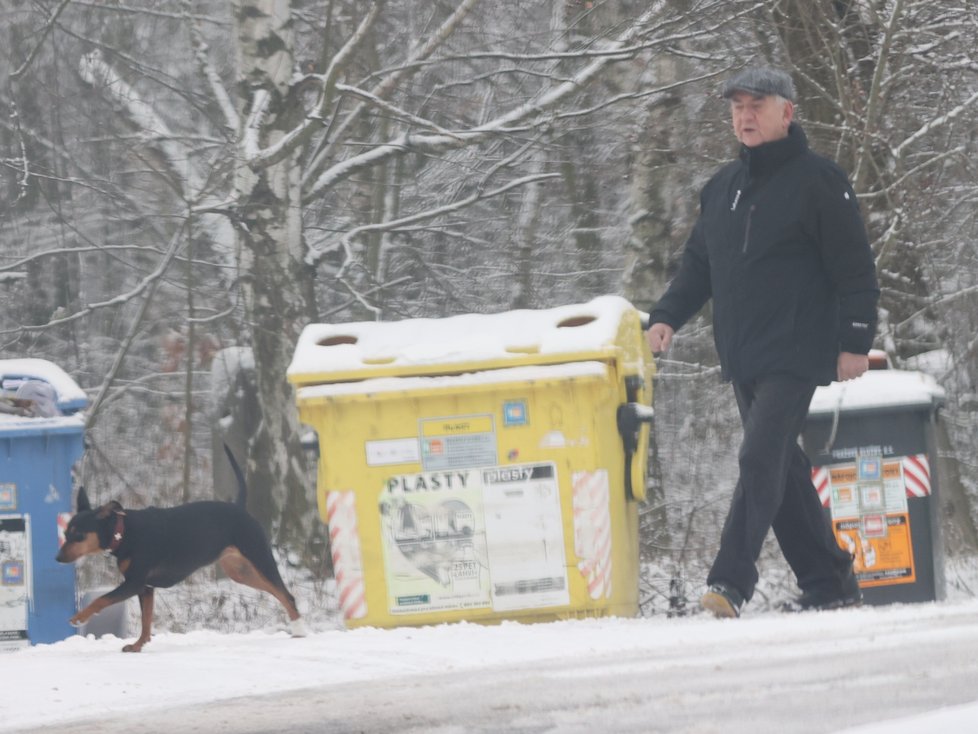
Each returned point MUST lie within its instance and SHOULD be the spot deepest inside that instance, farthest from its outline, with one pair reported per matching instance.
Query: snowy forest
(185, 184)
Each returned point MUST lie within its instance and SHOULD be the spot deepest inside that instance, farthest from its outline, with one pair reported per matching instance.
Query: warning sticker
(868, 502)
(474, 539)
(869, 488)
(458, 443)
(434, 542)
(881, 546)
(13, 583)
(525, 537)
(8, 497)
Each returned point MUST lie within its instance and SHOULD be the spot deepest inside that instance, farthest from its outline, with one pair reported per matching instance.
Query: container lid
(333, 352)
(15, 372)
(57, 398)
(879, 390)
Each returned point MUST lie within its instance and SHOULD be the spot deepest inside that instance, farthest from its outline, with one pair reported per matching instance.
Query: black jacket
(781, 248)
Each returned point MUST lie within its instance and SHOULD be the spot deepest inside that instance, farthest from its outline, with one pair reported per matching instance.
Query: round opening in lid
(334, 341)
(575, 321)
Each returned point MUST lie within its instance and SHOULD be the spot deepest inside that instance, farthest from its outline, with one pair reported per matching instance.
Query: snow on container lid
(878, 390)
(14, 372)
(456, 343)
(69, 399)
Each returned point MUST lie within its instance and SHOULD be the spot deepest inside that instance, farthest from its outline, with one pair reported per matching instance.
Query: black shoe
(821, 600)
(723, 600)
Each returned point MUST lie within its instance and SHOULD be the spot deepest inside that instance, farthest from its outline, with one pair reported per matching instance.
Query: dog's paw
(76, 621)
(298, 627)
(136, 646)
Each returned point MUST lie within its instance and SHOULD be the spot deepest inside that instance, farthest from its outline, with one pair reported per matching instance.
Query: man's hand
(851, 366)
(660, 337)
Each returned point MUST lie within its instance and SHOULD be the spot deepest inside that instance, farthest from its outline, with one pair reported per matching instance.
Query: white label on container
(393, 451)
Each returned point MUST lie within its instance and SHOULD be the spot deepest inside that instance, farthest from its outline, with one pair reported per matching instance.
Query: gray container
(872, 444)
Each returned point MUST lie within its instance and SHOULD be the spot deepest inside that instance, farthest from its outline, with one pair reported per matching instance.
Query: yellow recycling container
(481, 467)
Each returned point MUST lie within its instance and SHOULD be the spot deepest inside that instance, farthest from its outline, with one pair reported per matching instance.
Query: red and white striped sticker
(916, 475)
(820, 478)
(592, 530)
(344, 543)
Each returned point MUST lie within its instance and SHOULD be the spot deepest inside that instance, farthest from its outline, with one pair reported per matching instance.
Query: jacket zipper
(750, 213)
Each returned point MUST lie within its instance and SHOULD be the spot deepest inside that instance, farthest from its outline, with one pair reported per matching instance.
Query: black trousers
(775, 490)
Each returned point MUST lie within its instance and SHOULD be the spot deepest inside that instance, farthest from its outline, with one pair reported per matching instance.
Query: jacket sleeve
(690, 288)
(848, 260)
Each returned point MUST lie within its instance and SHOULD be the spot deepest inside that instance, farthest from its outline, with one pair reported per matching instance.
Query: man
(781, 248)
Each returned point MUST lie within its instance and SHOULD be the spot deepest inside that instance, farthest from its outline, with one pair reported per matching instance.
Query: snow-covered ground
(896, 669)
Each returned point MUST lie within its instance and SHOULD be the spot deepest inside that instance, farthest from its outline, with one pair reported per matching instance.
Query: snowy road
(768, 673)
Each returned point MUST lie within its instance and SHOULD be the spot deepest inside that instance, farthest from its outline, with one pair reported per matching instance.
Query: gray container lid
(879, 390)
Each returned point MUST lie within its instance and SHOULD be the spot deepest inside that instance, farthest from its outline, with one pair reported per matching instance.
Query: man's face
(759, 120)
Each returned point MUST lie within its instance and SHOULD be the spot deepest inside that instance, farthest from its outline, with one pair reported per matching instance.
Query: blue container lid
(39, 378)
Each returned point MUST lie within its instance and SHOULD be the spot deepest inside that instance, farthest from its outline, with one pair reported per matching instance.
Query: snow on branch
(19, 72)
(97, 73)
(231, 120)
(672, 41)
(432, 143)
(86, 178)
(25, 177)
(387, 85)
(346, 241)
(393, 109)
(254, 155)
(147, 283)
(250, 140)
(932, 125)
(147, 287)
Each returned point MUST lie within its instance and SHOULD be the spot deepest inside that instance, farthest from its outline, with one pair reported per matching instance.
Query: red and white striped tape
(592, 530)
(916, 475)
(344, 543)
(820, 478)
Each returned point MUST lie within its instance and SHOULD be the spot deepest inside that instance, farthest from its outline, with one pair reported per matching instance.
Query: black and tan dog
(159, 547)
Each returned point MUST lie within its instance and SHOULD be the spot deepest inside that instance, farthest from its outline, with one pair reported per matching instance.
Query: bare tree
(346, 171)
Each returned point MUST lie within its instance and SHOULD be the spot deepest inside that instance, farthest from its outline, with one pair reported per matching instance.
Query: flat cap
(760, 81)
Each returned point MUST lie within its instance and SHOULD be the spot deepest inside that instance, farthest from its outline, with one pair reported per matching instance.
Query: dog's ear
(83, 504)
(107, 509)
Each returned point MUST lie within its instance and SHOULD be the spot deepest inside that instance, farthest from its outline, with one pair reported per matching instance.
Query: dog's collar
(118, 532)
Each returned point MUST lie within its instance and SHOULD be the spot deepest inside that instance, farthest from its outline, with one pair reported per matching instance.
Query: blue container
(37, 594)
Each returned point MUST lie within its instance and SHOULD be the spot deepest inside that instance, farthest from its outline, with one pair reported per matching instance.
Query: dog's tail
(238, 475)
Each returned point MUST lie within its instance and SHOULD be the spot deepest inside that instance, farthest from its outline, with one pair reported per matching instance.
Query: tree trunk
(275, 282)
(655, 193)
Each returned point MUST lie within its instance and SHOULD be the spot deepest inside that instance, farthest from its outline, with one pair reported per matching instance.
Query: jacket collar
(766, 158)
